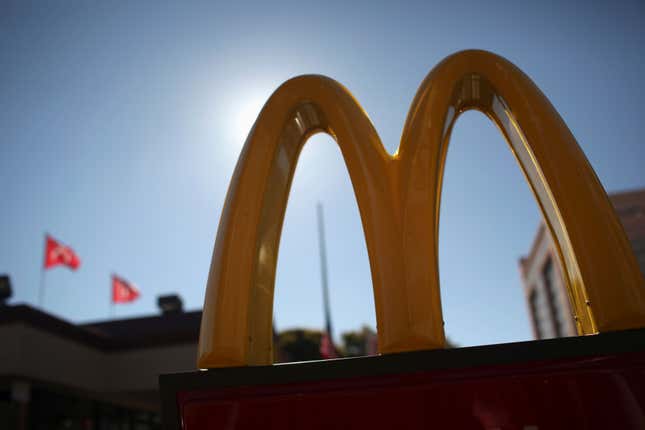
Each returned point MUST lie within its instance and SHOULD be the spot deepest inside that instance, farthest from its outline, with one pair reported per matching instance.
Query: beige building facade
(58, 375)
(546, 297)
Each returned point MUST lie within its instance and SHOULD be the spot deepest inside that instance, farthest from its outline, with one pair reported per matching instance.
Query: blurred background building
(546, 295)
(58, 375)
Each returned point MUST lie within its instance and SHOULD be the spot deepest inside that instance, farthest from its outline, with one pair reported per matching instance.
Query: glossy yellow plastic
(398, 198)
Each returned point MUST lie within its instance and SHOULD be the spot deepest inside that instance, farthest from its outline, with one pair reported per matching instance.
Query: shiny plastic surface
(399, 196)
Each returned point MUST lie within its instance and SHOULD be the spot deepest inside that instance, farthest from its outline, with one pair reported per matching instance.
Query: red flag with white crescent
(58, 254)
(123, 291)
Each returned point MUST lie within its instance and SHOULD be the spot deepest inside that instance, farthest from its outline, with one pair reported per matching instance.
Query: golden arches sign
(398, 197)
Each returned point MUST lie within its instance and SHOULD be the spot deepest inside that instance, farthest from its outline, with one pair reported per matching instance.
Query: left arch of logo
(399, 197)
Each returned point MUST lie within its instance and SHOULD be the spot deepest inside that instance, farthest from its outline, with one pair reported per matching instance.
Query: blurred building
(103, 376)
(58, 375)
(546, 296)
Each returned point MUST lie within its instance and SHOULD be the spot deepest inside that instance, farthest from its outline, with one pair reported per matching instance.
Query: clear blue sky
(121, 123)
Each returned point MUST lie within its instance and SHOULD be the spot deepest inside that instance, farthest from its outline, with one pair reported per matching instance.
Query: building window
(533, 305)
(548, 277)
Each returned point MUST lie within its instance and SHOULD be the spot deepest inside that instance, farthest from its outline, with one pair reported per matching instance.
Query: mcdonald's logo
(399, 196)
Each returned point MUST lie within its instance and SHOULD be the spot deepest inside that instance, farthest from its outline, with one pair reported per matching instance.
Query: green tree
(304, 344)
(298, 345)
(359, 343)
(364, 342)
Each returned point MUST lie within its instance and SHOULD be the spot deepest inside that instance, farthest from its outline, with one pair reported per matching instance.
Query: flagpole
(111, 297)
(323, 270)
(41, 292)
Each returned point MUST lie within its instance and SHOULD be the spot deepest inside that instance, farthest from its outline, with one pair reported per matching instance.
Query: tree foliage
(298, 345)
(304, 344)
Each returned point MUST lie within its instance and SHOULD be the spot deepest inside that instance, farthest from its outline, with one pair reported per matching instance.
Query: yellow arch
(398, 198)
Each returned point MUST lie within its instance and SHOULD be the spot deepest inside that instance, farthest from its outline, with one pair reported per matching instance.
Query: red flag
(327, 349)
(57, 253)
(123, 291)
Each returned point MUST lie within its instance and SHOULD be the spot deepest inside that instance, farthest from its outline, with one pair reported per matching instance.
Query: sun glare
(246, 115)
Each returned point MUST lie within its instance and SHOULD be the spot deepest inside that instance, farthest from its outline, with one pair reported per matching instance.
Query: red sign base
(593, 382)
